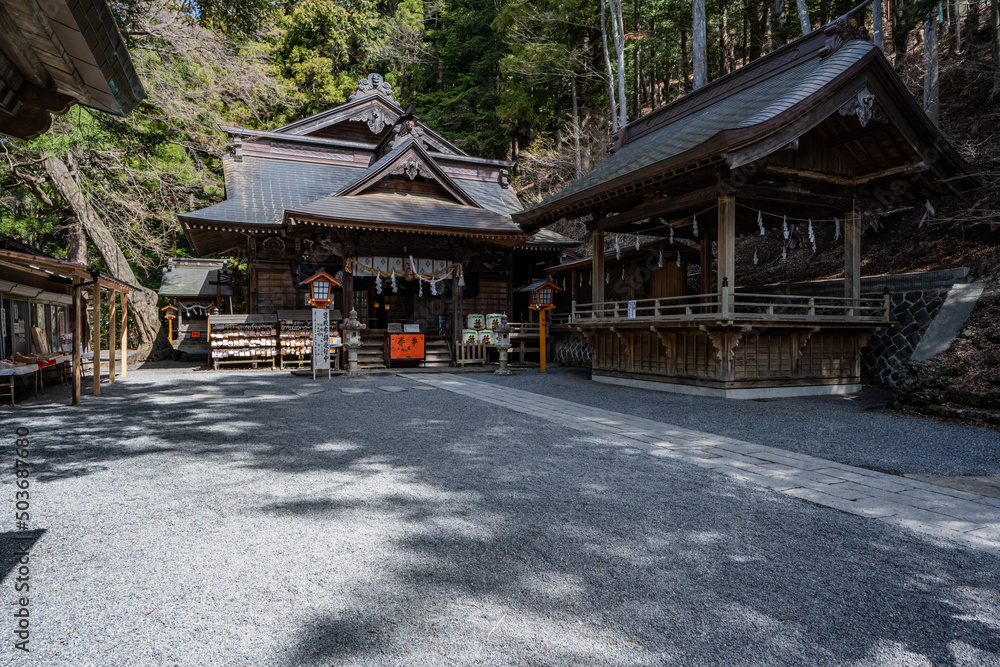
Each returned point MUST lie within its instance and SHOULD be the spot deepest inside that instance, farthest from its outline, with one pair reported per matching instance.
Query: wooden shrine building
(820, 130)
(415, 230)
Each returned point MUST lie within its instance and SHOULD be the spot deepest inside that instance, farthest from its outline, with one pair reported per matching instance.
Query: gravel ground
(219, 519)
(855, 430)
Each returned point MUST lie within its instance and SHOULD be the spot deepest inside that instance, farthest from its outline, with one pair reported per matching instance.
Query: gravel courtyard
(198, 518)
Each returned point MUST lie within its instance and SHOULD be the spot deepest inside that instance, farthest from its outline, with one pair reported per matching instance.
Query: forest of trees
(537, 81)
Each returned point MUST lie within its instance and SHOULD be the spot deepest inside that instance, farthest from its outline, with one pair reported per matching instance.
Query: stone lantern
(501, 340)
(352, 340)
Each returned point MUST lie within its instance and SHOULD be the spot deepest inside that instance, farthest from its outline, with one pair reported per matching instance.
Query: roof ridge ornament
(848, 27)
(408, 127)
(373, 83)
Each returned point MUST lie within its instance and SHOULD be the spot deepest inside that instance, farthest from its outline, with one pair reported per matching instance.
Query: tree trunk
(995, 25)
(777, 23)
(76, 245)
(804, 21)
(576, 129)
(758, 27)
(143, 301)
(877, 28)
(700, 45)
(899, 35)
(972, 24)
(684, 62)
(611, 76)
(956, 27)
(616, 16)
(931, 66)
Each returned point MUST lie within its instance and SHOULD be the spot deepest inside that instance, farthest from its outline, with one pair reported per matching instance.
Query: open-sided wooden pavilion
(43, 304)
(416, 230)
(821, 129)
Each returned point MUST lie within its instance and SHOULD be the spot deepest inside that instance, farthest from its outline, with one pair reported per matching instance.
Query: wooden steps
(437, 352)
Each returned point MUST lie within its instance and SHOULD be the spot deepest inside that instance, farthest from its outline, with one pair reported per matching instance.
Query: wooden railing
(523, 329)
(739, 306)
(470, 353)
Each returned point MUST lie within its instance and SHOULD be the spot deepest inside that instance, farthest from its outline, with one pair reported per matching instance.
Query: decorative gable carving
(373, 116)
(412, 168)
(865, 107)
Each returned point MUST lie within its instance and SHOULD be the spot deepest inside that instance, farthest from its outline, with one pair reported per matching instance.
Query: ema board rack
(243, 339)
(295, 338)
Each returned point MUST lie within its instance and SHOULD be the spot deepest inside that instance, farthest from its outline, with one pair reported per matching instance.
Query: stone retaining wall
(570, 348)
(889, 349)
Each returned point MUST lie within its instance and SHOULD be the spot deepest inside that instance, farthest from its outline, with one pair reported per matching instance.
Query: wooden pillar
(77, 341)
(97, 339)
(348, 286)
(727, 250)
(456, 309)
(852, 255)
(124, 334)
(597, 268)
(112, 333)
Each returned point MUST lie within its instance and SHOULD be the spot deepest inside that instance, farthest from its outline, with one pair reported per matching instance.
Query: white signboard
(321, 341)
(631, 310)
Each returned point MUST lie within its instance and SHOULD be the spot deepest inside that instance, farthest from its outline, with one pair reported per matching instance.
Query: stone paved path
(932, 510)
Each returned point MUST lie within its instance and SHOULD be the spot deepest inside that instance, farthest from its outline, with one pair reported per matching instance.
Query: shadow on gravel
(13, 545)
(511, 545)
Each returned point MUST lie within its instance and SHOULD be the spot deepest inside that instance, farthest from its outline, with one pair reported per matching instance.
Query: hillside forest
(542, 82)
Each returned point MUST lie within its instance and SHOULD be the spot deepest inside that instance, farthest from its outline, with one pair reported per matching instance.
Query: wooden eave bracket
(668, 339)
(626, 341)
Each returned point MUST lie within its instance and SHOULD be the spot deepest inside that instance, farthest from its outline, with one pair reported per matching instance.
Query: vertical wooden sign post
(321, 341)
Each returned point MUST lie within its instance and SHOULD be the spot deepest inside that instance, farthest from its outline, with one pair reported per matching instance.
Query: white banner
(631, 310)
(321, 340)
